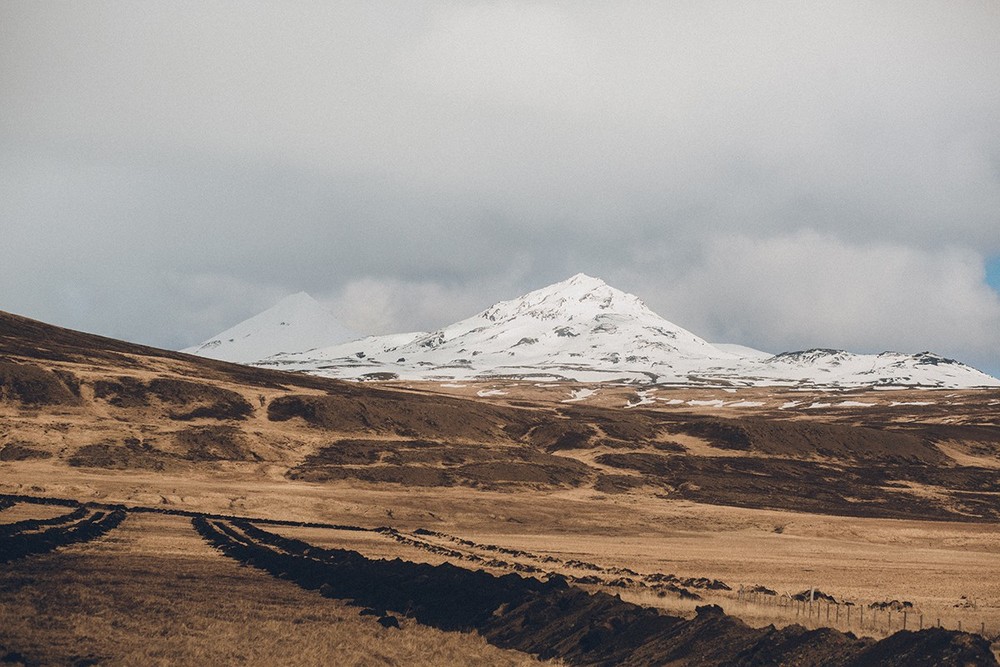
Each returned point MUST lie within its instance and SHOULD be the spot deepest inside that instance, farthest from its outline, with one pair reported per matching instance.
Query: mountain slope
(580, 329)
(70, 400)
(887, 369)
(584, 330)
(297, 322)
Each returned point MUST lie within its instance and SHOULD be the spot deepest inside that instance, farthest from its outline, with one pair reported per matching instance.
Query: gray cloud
(776, 173)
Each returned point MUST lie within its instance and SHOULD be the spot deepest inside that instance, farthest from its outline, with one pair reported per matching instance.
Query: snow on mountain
(297, 322)
(888, 369)
(585, 330)
(353, 359)
(579, 318)
(580, 329)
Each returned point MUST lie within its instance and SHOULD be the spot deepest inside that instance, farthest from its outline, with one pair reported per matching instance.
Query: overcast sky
(779, 174)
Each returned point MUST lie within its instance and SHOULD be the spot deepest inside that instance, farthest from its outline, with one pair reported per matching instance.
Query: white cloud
(814, 290)
(402, 157)
(387, 305)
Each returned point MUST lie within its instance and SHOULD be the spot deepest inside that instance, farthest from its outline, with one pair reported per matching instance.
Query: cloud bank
(777, 174)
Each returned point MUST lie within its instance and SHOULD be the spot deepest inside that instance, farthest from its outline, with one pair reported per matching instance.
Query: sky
(784, 175)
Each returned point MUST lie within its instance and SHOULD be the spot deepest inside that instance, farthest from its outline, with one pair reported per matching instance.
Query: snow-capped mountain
(297, 322)
(888, 369)
(585, 330)
(580, 329)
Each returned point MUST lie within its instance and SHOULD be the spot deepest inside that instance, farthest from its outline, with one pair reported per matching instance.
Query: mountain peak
(299, 303)
(297, 322)
(578, 297)
(584, 280)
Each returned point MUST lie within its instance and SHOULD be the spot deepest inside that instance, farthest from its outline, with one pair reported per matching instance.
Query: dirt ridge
(554, 620)
(27, 540)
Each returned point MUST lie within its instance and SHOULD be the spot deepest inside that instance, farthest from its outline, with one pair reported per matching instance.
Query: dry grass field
(670, 498)
(932, 564)
(153, 593)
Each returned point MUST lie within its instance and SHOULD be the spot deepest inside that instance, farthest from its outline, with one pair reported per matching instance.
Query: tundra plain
(667, 497)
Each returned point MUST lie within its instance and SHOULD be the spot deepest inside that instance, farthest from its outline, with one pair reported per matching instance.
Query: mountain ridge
(582, 329)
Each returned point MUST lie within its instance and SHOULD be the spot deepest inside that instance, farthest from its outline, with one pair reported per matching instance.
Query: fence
(863, 618)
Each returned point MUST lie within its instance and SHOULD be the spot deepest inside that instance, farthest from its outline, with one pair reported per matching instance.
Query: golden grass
(152, 593)
(24, 511)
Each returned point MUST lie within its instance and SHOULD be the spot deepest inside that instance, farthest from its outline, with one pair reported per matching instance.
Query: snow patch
(645, 398)
(579, 395)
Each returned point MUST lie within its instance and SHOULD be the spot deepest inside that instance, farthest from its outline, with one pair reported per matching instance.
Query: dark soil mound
(927, 648)
(806, 439)
(814, 595)
(215, 443)
(795, 645)
(29, 540)
(132, 454)
(33, 385)
(788, 484)
(621, 428)
(565, 472)
(405, 475)
(125, 392)
(562, 434)
(200, 400)
(21, 452)
(205, 400)
(618, 483)
(15, 658)
(553, 620)
(8, 529)
(410, 415)
(428, 463)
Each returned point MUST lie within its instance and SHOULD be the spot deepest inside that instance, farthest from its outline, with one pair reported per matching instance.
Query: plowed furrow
(554, 620)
